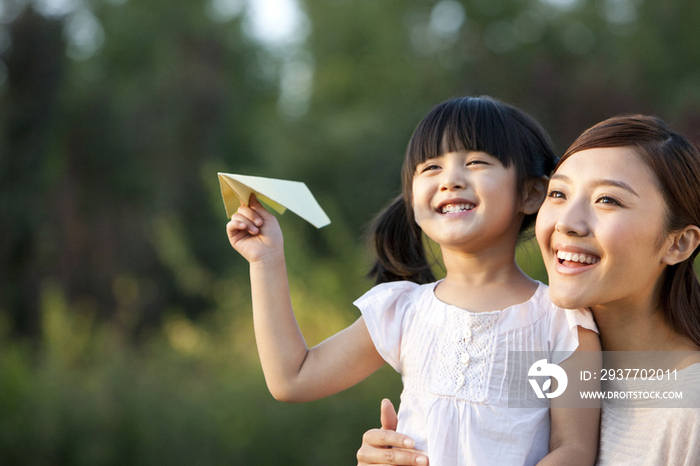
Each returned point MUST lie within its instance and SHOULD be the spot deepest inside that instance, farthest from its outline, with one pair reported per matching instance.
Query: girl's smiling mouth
(450, 208)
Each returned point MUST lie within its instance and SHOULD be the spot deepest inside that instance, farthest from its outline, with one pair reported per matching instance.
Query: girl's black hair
(482, 124)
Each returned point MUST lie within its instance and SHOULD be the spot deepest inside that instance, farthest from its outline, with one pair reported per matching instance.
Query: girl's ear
(534, 192)
(681, 245)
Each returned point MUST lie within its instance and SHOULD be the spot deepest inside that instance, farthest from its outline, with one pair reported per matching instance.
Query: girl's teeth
(451, 208)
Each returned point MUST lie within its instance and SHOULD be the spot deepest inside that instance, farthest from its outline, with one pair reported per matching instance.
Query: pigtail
(398, 245)
(680, 297)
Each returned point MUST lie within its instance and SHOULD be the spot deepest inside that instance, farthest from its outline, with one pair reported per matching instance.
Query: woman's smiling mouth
(577, 257)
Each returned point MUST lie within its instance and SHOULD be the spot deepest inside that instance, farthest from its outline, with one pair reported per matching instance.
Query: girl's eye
(475, 162)
(428, 167)
(556, 194)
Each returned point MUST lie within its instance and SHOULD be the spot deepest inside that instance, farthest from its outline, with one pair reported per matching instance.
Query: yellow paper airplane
(278, 194)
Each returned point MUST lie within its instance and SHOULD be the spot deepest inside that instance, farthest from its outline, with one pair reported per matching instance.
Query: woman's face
(600, 230)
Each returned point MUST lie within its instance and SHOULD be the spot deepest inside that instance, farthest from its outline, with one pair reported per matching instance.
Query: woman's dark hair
(675, 162)
(481, 124)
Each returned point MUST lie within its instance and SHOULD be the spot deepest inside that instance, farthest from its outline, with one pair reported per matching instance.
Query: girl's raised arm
(293, 372)
(573, 439)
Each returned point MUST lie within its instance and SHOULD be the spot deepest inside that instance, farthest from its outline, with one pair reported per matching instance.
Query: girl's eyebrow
(429, 160)
(597, 183)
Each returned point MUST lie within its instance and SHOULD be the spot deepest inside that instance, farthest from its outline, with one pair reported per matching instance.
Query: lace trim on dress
(461, 366)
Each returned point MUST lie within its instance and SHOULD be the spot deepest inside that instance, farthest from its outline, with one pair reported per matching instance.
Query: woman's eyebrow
(619, 184)
(597, 183)
(560, 177)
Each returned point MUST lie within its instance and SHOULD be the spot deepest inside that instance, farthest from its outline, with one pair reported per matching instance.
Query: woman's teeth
(451, 208)
(577, 257)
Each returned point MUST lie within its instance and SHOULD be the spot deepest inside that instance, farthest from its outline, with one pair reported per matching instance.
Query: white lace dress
(454, 369)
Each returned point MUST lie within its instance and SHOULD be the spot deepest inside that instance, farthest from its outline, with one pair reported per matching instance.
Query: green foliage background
(125, 327)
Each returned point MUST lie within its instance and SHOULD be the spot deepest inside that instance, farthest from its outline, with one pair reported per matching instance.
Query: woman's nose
(573, 220)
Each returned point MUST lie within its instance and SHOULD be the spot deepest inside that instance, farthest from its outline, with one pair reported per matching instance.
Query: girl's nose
(452, 179)
(573, 220)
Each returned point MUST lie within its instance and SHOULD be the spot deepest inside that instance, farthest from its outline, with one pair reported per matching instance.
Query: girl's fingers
(254, 202)
(249, 213)
(237, 236)
(238, 223)
(256, 206)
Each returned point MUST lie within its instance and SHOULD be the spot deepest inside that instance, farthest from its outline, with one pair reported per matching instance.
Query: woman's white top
(654, 431)
(454, 369)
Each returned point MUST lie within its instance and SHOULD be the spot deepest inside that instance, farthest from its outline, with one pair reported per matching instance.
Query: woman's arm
(293, 372)
(385, 446)
(574, 431)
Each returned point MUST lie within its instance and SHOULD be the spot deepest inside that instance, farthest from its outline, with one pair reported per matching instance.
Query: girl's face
(466, 199)
(600, 230)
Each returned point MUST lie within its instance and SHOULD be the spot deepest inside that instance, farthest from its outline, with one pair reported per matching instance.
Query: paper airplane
(277, 194)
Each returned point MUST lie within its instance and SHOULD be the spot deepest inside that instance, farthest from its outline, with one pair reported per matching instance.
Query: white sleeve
(384, 308)
(563, 330)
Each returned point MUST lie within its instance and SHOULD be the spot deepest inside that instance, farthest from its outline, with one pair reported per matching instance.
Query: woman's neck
(638, 330)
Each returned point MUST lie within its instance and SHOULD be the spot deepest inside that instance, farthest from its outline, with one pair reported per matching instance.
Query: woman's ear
(534, 192)
(682, 244)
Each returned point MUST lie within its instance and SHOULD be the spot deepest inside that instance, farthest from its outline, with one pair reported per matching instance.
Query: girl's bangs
(476, 125)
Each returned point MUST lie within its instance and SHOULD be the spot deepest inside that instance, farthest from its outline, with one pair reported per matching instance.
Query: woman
(619, 233)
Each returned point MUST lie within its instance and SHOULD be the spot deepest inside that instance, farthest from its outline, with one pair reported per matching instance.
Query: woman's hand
(385, 446)
(254, 232)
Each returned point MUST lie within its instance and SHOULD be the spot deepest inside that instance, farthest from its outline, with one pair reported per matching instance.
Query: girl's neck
(492, 264)
(507, 275)
(487, 288)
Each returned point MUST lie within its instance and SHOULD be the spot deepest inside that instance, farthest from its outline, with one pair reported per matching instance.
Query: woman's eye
(556, 194)
(608, 200)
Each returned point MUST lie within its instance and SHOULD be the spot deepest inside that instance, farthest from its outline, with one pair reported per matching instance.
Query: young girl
(473, 180)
